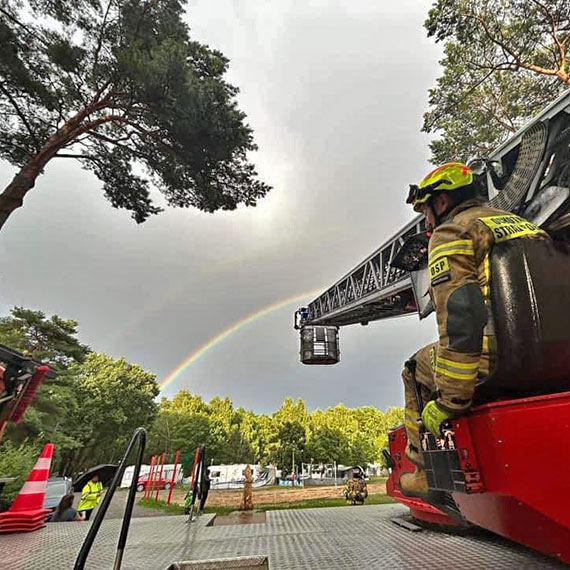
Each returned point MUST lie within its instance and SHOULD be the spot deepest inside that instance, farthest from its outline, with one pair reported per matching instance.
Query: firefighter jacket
(356, 490)
(90, 496)
(459, 270)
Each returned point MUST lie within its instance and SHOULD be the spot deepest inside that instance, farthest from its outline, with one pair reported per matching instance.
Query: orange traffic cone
(27, 512)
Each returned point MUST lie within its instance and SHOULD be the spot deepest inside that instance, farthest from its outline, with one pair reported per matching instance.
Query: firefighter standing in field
(464, 232)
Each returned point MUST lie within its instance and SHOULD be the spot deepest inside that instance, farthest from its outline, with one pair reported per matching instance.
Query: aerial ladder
(504, 466)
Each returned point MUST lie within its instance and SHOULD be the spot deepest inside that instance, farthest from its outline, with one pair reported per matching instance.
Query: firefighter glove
(432, 418)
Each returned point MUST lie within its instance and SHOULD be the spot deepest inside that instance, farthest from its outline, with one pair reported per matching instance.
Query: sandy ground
(275, 494)
(264, 496)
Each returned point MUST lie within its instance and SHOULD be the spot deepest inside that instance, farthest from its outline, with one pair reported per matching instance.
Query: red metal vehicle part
(519, 452)
(16, 407)
(419, 509)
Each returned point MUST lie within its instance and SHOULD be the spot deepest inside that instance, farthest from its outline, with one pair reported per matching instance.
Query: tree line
(235, 435)
(90, 409)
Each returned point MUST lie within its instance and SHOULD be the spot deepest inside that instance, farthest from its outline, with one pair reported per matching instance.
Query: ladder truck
(20, 379)
(504, 466)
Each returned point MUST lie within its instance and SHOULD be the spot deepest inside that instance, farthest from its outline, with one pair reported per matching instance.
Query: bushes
(15, 461)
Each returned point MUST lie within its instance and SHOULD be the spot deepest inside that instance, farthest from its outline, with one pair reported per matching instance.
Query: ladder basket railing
(139, 436)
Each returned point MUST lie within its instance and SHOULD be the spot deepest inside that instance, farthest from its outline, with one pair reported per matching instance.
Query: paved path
(319, 539)
(117, 507)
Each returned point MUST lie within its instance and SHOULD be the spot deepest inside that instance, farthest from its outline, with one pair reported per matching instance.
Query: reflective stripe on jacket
(459, 269)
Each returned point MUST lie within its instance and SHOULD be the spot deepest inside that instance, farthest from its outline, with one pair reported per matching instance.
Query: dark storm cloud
(335, 92)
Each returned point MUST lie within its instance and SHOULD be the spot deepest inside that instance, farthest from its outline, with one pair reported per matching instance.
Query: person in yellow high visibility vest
(90, 496)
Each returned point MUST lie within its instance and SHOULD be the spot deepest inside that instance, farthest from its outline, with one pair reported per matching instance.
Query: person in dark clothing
(65, 511)
(204, 491)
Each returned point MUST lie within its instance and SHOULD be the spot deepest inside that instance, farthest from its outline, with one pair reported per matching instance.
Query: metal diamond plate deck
(319, 539)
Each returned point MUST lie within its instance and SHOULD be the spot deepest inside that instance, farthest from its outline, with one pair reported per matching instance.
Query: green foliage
(93, 405)
(185, 422)
(118, 84)
(344, 435)
(289, 444)
(503, 62)
(49, 340)
(161, 505)
(90, 410)
(15, 461)
(114, 397)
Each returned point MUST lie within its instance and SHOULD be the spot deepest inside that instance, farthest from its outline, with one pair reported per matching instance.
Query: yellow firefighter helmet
(445, 178)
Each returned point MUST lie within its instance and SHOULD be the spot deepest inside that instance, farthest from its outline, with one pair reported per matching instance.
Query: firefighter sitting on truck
(464, 232)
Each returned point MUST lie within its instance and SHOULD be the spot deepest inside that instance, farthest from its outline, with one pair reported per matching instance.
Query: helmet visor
(418, 196)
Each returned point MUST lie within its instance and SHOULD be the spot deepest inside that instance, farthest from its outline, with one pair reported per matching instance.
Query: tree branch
(561, 50)
(112, 140)
(503, 45)
(18, 23)
(21, 115)
(470, 90)
(502, 121)
(118, 143)
(66, 155)
(100, 40)
(100, 91)
(94, 159)
(23, 150)
(71, 135)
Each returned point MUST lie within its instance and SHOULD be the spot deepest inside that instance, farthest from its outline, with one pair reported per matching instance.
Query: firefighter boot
(414, 484)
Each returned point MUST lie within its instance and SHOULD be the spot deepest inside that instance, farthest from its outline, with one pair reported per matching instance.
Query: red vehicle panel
(519, 450)
(157, 483)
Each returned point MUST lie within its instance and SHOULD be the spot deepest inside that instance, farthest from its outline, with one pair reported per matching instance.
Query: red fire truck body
(513, 457)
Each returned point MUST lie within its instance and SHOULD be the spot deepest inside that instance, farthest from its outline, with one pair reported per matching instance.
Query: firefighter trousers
(421, 365)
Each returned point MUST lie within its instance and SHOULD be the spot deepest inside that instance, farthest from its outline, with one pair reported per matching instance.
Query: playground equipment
(156, 480)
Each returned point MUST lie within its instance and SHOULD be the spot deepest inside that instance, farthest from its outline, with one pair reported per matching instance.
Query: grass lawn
(175, 509)
(172, 509)
(379, 499)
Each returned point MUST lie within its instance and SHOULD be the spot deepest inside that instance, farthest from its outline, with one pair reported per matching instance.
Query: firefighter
(464, 232)
(356, 489)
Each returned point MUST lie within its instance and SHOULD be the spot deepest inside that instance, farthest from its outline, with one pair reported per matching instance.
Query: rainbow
(193, 356)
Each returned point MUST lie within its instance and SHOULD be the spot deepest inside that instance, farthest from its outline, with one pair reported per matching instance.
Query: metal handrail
(139, 436)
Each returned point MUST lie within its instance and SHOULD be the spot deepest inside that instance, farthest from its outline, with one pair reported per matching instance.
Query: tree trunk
(13, 196)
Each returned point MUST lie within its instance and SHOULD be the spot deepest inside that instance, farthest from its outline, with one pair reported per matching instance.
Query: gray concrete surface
(318, 539)
(117, 507)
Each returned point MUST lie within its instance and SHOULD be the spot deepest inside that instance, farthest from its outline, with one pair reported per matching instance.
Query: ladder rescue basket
(319, 345)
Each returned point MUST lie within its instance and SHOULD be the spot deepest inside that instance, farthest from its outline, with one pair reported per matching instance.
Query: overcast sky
(335, 92)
